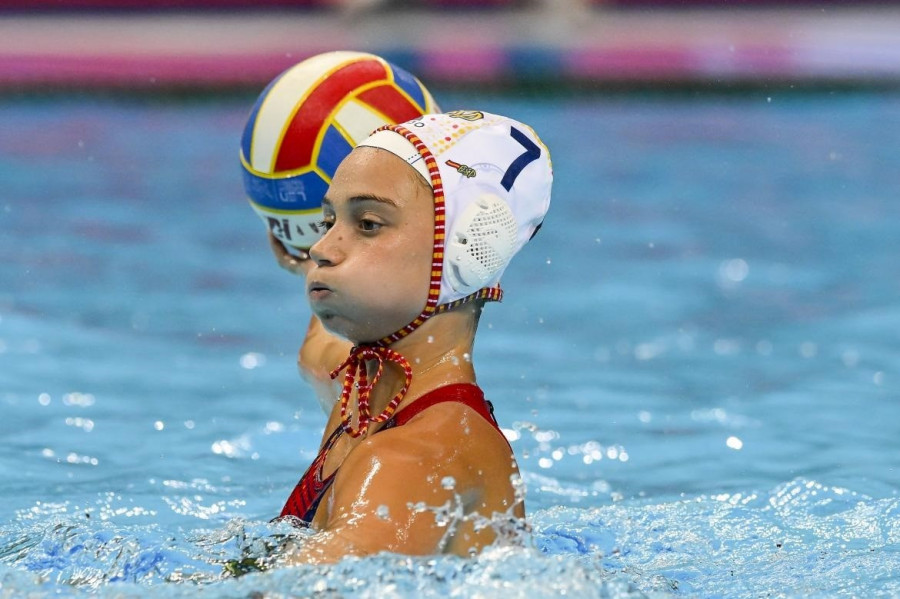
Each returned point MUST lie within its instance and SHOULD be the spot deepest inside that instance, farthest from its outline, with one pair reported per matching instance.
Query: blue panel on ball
(334, 149)
(408, 83)
(303, 192)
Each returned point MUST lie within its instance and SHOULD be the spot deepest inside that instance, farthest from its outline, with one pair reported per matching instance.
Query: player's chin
(361, 328)
(332, 320)
(354, 331)
(339, 324)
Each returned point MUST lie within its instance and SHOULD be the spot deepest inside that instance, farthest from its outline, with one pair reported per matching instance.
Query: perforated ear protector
(491, 178)
(480, 243)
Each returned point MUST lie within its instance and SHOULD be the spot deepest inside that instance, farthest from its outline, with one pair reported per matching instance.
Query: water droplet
(733, 271)
(448, 483)
(511, 435)
(252, 360)
(83, 400)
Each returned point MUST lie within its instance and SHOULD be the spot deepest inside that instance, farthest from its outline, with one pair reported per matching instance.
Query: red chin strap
(357, 372)
(355, 364)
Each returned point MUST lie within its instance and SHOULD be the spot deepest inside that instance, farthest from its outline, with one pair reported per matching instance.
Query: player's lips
(317, 291)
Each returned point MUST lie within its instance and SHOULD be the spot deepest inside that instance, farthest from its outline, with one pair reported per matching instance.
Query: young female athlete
(422, 219)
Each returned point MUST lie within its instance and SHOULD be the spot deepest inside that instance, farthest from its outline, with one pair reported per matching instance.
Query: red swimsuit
(305, 498)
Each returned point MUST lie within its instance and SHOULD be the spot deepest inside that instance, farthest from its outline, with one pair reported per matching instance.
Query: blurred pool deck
(591, 46)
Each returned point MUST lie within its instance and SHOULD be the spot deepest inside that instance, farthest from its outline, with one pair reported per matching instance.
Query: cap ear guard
(481, 243)
(491, 178)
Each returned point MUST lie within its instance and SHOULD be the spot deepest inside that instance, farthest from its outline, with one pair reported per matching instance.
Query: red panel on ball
(388, 100)
(300, 138)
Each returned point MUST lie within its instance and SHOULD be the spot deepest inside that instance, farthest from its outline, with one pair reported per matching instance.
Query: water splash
(802, 538)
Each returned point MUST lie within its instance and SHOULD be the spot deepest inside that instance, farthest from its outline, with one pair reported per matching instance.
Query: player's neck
(440, 353)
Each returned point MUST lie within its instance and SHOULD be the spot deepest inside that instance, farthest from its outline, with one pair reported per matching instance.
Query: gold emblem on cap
(468, 115)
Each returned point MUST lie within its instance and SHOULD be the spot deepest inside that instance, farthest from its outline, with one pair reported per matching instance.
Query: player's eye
(368, 225)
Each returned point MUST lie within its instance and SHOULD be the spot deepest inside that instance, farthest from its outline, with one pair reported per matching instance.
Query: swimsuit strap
(305, 497)
(465, 393)
(310, 489)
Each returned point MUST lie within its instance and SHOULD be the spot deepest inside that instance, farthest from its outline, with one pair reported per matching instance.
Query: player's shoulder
(448, 430)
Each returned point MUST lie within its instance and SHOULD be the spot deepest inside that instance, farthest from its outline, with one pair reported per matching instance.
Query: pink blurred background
(226, 44)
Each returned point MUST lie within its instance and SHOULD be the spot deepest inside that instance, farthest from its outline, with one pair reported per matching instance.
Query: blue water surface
(696, 360)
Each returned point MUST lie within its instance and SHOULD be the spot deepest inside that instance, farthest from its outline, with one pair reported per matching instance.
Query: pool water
(697, 360)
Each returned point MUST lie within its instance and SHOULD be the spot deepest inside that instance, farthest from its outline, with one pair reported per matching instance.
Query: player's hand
(298, 264)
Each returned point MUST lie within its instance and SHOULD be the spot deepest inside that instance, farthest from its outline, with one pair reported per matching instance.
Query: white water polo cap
(491, 177)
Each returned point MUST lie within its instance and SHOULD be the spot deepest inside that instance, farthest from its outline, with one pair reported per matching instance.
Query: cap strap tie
(357, 375)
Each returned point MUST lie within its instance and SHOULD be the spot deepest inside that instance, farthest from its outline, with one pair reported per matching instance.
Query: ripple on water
(801, 538)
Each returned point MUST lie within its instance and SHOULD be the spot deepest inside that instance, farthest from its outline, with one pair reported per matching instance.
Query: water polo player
(422, 219)
(300, 128)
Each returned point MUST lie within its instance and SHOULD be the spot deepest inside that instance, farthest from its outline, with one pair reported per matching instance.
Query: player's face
(373, 266)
